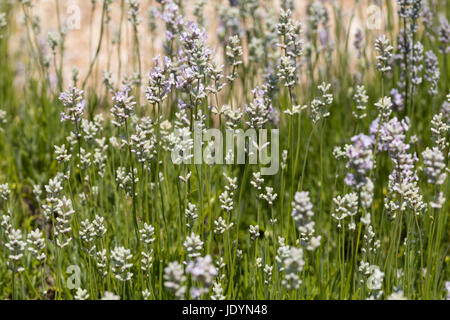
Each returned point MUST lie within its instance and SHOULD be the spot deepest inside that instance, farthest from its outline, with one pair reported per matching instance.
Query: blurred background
(80, 20)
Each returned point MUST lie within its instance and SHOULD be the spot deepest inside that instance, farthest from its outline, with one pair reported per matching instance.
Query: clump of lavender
(218, 292)
(434, 162)
(120, 264)
(361, 98)
(409, 11)
(160, 80)
(53, 41)
(123, 108)
(16, 247)
(234, 56)
(147, 237)
(319, 106)
(193, 246)
(72, 100)
(133, 12)
(427, 18)
(302, 214)
(301, 207)
(3, 118)
(174, 279)
(216, 75)
(62, 229)
(403, 191)
(432, 72)
(191, 214)
(36, 245)
(384, 51)
(254, 232)
(202, 271)
(444, 36)
(182, 145)
(143, 142)
(91, 231)
(290, 31)
(359, 161)
(397, 99)
(126, 180)
(290, 261)
(417, 67)
(358, 42)
(346, 206)
(195, 51)
(384, 106)
(5, 192)
(286, 71)
(170, 14)
(53, 190)
(3, 23)
(439, 130)
(257, 111)
(220, 226)
(268, 195)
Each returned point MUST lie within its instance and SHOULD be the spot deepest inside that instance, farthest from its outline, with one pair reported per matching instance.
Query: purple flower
(360, 160)
(160, 80)
(397, 99)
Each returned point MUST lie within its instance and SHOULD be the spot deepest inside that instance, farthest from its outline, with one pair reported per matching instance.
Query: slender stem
(99, 45)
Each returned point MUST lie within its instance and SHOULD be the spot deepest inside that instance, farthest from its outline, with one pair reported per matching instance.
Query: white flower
(226, 201)
(375, 281)
(384, 106)
(81, 294)
(293, 263)
(267, 274)
(102, 261)
(120, 265)
(191, 215)
(296, 109)
(174, 279)
(221, 226)
(64, 211)
(218, 292)
(16, 247)
(36, 244)
(269, 196)
(203, 271)
(110, 296)
(319, 106)
(397, 296)
(147, 234)
(146, 261)
(384, 50)
(146, 294)
(193, 245)
(254, 232)
(301, 207)
(61, 154)
(4, 191)
(257, 180)
(434, 162)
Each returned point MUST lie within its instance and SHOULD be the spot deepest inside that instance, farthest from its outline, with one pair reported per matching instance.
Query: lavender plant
(129, 156)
